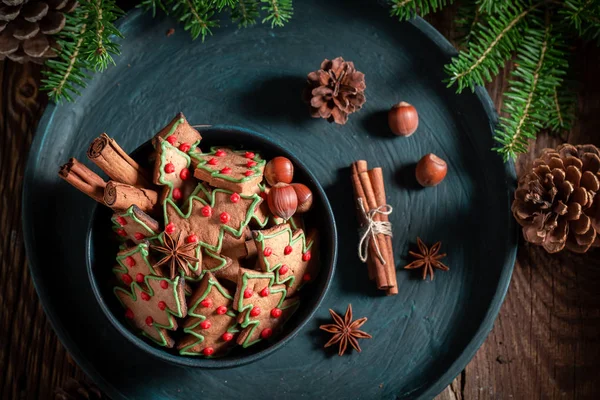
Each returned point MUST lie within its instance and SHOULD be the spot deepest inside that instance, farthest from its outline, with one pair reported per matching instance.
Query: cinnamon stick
(381, 275)
(83, 179)
(120, 196)
(358, 167)
(376, 175)
(112, 159)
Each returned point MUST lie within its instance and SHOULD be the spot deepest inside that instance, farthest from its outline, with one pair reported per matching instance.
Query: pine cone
(78, 390)
(335, 91)
(555, 203)
(26, 27)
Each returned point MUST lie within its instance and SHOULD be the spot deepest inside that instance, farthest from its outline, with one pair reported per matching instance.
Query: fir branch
(278, 11)
(407, 9)
(98, 45)
(491, 47)
(468, 17)
(152, 5)
(245, 13)
(561, 113)
(221, 4)
(195, 15)
(584, 16)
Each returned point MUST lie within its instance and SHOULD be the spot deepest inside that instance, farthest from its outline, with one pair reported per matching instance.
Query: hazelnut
(279, 169)
(282, 200)
(403, 119)
(431, 170)
(305, 197)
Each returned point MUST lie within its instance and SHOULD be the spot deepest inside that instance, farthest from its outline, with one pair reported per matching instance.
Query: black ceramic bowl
(101, 251)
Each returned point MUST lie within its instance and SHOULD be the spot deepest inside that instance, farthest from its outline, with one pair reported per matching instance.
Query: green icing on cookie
(141, 248)
(203, 164)
(174, 128)
(164, 147)
(129, 213)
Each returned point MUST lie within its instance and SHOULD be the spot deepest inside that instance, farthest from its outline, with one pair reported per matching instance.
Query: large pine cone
(335, 91)
(555, 203)
(26, 27)
(79, 390)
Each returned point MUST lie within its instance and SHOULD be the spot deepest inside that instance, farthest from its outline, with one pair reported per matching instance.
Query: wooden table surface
(545, 343)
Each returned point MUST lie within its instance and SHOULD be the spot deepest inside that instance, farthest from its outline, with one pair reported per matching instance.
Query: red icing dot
(129, 314)
(170, 228)
(265, 292)
(193, 238)
(129, 261)
(184, 174)
(251, 164)
(121, 221)
(206, 303)
(164, 284)
(121, 232)
(139, 278)
(227, 336)
(208, 351)
(248, 173)
(306, 277)
(206, 211)
(149, 321)
(212, 161)
(206, 324)
(162, 305)
(225, 171)
(139, 236)
(177, 194)
(145, 296)
(248, 293)
(221, 310)
(288, 250)
(306, 256)
(283, 269)
(224, 217)
(235, 198)
(267, 251)
(255, 312)
(184, 147)
(266, 333)
(127, 279)
(169, 168)
(276, 313)
(220, 153)
(249, 154)
(172, 140)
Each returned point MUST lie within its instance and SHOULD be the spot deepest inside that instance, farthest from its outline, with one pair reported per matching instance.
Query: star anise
(176, 253)
(345, 331)
(428, 259)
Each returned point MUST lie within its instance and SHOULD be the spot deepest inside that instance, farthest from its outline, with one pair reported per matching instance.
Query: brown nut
(431, 170)
(305, 197)
(403, 119)
(282, 200)
(279, 169)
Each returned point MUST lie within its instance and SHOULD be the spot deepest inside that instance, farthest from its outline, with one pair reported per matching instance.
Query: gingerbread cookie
(152, 311)
(288, 254)
(267, 322)
(172, 169)
(135, 264)
(179, 133)
(235, 249)
(176, 255)
(238, 171)
(135, 224)
(211, 325)
(207, 221)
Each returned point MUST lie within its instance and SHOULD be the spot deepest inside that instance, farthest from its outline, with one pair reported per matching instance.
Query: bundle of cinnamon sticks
(130, 182)
(369, 187)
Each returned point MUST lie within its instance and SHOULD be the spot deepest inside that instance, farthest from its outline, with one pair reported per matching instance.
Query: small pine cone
(555, 203)
(78, 390)
(335, 91)
(27, 27)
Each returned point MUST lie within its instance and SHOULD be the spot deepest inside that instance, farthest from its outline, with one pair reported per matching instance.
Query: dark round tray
(253, 78)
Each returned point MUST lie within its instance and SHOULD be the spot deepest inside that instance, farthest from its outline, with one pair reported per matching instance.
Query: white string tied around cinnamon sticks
(373, 228)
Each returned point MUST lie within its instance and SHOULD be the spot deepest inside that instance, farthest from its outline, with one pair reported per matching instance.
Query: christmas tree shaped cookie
(135, 264)
(211, 323)
(238, 171)
(135, 224)
(267, 322)
(206, 222)
(233, 248)
(172, 170)
(153, 310)
(180, 134)
(288, 254)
